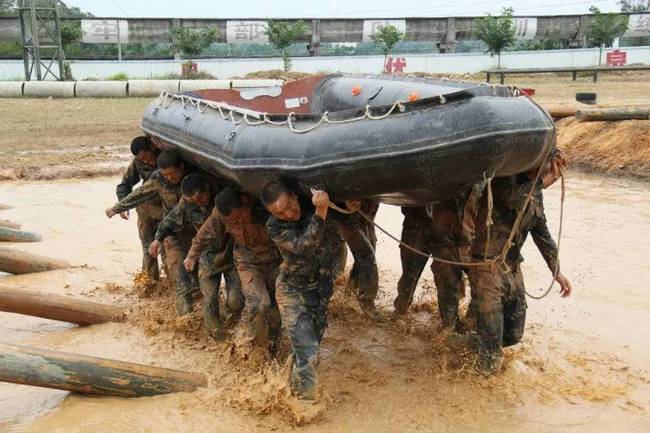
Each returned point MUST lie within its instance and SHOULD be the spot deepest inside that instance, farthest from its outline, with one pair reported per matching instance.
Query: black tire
(586, 97)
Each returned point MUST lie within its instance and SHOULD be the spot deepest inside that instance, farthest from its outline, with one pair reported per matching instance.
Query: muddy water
(582, 366)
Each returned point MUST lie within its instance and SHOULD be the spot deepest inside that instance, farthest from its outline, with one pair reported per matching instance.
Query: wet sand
(582, 366)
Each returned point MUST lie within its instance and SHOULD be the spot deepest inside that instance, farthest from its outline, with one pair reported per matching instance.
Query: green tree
(282, 35)
(604, 28)
(385, 38)
(8, 8)
(634, 7)
(497, 32)
(70, 33)
(191, 43)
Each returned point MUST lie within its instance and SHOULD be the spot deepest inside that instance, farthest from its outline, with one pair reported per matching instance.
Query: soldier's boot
(210, 306)
(405, 289)
(490, 330)
(183, 302)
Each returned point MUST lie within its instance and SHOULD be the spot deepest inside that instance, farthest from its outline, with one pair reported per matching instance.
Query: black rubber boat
(403, 140)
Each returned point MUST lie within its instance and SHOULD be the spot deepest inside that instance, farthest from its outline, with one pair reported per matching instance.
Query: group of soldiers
(279, 255)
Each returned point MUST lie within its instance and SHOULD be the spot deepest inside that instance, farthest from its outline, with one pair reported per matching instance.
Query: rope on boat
(499, 260)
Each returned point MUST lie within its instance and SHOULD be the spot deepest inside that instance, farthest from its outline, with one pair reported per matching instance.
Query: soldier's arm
(173, 222)
(212, 231)
(146, 192)
(130, 178)
(300, 243)
(545, 243)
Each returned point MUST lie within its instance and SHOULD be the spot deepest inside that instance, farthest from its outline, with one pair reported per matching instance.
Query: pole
(119, 43)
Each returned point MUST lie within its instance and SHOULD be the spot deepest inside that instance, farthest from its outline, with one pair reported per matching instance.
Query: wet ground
(581, 368)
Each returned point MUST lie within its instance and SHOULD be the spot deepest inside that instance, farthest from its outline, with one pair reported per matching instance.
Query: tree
(191, 43)
(70, 33)
(8, 8)
(385, 38)
(497, 32)
(282, 34)
(605, 28)
(635, 7)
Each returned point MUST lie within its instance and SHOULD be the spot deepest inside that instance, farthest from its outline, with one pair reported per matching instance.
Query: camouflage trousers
(263, 323)
(147, 224)
(303, 319)
(175, 251)
(210, 276)
(501, 301)
(364, 277)
(450, 284)
(417, 236)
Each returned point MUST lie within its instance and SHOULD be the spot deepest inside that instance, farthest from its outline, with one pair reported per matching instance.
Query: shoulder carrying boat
(401, 140)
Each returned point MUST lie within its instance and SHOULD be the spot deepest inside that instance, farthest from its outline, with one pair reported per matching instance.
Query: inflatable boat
(401, 140)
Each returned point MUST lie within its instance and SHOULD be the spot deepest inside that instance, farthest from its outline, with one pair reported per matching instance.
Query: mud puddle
(582, 365)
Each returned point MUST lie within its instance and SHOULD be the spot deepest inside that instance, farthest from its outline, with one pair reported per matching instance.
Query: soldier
(163, 185)
(298, 230)
(360, 236)
(241, 217)
(416, 232)
(149, 214)
(500, 287)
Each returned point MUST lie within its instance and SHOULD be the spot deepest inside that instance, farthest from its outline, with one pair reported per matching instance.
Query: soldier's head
(233, 205)
(196, 189)
(171, 166)
(144, 150)
(281, 202)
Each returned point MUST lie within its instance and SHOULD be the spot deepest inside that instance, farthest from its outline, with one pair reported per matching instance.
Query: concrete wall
(440, 63)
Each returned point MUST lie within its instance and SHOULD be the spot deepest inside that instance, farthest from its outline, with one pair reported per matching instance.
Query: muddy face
(173, 174)
(149, 157)
(286, 207)
(201, 199)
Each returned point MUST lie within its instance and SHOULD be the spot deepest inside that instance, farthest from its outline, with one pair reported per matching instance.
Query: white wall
(441, 63)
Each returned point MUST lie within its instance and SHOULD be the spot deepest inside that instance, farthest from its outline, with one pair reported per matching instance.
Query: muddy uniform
(256, 261)
(298, 293)
(360, 236)
(500, 290)
(447, 238)
(416, 232)
(149, 214)
(159, 188)
(215, 260)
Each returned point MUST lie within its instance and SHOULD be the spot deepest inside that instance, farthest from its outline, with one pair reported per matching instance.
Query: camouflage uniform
(299, 293)
(500, 289)
(256, 262)
(360, 236)
(446, 238)
(416, 232)
(149, 214)
(182, 223)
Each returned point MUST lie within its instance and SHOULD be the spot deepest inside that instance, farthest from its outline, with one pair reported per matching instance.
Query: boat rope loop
(227, 112)
(499, 260)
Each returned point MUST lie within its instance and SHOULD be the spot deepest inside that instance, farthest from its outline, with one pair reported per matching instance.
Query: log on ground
(5, 206)
(90, 375)
(56, 307)
(19, 262)
(8, 234)
(613, 114)
(10, 224)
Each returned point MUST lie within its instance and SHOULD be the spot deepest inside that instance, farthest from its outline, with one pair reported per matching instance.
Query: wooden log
(5, 206)
(90, 375)
(55, 307)
(613, 114)
(10, 224)
(19, 262)
(8, 234)
(560, 111)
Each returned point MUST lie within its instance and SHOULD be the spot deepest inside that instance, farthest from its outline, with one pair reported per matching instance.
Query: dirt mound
(278, 74)
(612, 147)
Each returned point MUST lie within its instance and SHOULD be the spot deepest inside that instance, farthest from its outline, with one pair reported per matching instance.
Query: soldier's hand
(110, 212)
(154, 248)
(320, 199)
(124, 215)
(565, 285)
(189, 264)
(353, 205)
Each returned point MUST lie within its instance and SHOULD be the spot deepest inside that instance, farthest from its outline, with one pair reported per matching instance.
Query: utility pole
(41, 38)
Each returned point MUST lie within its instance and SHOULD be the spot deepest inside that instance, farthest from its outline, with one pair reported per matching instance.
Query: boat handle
(231, 135)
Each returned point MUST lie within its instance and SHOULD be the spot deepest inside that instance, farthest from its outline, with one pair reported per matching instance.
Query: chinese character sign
(370, 27)
(104, 31)
(394, 66)
(246, 32)
(638, 27)
(525, 28)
